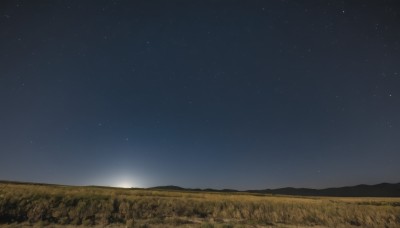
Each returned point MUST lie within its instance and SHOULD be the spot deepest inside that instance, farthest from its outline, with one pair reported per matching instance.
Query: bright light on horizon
(125, 184)
(118, 179)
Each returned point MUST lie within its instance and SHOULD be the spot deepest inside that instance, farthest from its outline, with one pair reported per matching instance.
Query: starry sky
(202, 94)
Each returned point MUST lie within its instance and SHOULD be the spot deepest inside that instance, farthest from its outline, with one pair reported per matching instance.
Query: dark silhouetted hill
(363, 190)
(378, 190)
(168, 187)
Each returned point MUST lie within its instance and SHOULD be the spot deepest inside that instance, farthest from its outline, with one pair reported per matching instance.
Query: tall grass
(88, 206)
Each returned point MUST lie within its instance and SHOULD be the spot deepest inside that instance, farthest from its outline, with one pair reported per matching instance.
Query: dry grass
(26, 205)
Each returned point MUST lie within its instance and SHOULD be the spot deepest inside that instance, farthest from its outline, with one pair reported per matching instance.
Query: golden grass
(41, 205)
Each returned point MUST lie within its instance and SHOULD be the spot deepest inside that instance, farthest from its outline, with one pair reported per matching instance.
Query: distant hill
(363, 190)
(378, 190)
(168, 187)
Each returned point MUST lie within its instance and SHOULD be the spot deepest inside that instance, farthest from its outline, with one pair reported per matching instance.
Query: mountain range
(362, 190)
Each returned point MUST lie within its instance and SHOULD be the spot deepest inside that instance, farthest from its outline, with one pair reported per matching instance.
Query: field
(55, 206)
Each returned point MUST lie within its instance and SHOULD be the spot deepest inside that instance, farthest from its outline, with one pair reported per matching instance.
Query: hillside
(378, 190)
(27, 204)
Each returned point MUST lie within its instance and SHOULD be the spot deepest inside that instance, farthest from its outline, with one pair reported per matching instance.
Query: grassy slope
(99, 206)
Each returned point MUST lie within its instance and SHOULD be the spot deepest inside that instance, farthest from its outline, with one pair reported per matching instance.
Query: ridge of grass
(44, 205)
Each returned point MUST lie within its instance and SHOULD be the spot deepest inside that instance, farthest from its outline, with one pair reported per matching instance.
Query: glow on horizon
(125, 184)
(118, 179)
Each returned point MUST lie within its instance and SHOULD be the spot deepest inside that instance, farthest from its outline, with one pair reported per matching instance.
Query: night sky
(202, 94)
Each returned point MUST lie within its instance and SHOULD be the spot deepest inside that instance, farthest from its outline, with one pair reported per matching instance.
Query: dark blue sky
(219, 94)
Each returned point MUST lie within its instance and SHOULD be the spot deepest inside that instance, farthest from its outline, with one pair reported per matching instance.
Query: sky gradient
(202, 94)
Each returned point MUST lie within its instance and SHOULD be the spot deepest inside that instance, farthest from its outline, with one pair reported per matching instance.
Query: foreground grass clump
(43, 205)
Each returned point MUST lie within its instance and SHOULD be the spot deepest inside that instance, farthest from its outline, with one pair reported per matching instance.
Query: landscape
(44, 205)
(200, 113)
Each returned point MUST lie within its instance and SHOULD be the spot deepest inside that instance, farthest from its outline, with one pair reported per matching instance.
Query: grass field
(56, 206)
